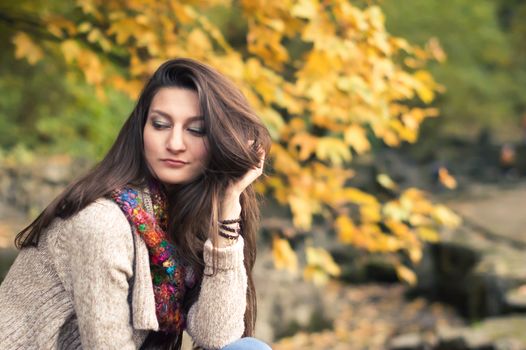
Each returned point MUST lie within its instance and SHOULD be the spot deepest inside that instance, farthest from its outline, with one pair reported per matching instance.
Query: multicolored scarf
(170, 278)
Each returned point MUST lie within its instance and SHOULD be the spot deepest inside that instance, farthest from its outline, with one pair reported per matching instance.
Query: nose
(175, 141)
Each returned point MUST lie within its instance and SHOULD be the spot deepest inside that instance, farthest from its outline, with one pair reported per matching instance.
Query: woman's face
(175, 144)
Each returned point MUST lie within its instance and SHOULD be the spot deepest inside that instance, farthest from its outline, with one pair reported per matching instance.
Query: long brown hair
(229, 123)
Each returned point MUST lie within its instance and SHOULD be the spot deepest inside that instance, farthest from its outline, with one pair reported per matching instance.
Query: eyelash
(161, 126)
(199, 132)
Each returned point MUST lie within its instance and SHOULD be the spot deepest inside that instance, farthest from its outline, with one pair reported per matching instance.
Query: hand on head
(250, 176)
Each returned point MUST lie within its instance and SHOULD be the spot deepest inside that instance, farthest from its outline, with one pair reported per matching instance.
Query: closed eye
(197, 131)
(160, 125)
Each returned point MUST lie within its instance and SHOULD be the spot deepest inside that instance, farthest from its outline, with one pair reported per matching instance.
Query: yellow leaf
(96, 36)
(322, 259)
(390, 138)
(315, 275)
(273, 121)
(305, 9)
(70, 49)
(60, 26)
(446, 179)
(198, 41)
(370, 213)
(404, 132)
(446, 216)
(415, 253)
(415, 201)
(398, 228)
(143, 19)
(419, 220)
(276, 24)
(376, 17)
(356, 137)
(396, 211)
(333, 150)
(317, 92)
(433, 46)
(297, 124)
(427, 234)
(185, 13)
(306, 143)
(284, 255)
(425, 86)
(346, 229)
(123, 29)
(88, 7)
(84, 27)
(386, 182)
(405, 274)
(284, 162)
(261, 79)
(384, 243)
(357, 196)
(91, 66)
(26, 48)
(132, 88)
(279, 188)
(150, 41)
(317, 66)
(303, 208)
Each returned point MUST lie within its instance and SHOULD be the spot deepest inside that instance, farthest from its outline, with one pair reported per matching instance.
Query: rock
(497, 333)
(57, 170)
(515, 299)
(450, 339)
(477, 340)
(511, 328)
(7, 256)
(509, 344)
(286, 303)
(474, 272)
(410, 341)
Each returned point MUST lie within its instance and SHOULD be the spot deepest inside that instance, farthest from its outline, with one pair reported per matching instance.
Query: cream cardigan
(88, 286)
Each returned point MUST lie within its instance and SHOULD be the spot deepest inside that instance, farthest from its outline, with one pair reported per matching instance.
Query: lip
(174, 163)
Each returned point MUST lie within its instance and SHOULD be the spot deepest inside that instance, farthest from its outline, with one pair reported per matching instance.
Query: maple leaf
(284, 255)
(405, 274)
(26, 48)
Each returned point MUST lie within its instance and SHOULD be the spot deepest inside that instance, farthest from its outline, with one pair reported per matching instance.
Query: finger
(261, 158)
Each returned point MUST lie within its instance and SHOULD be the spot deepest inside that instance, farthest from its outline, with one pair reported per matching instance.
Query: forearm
(230, 209)
(217, 317)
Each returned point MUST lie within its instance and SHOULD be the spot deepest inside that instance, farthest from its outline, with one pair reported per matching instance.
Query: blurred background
(393, 206)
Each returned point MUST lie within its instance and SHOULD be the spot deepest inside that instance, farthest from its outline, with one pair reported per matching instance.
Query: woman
(159, 237)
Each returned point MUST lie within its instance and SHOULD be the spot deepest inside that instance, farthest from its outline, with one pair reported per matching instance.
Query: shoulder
(101, 211)
(101, 222)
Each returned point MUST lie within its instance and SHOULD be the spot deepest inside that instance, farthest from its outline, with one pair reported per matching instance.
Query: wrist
(232, 194)
(230, 209)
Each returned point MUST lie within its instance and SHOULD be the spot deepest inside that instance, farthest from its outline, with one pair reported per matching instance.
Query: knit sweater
(88, 286)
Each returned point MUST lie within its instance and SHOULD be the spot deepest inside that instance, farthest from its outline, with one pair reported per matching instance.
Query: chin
(172, 181)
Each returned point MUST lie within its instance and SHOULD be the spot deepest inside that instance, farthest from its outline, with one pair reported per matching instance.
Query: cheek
(202, 152)
(149, 145)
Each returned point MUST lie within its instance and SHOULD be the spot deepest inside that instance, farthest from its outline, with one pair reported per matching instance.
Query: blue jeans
(247, 343)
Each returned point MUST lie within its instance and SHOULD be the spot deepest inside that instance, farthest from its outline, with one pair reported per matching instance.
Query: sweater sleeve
(217, 317)
(101, 263)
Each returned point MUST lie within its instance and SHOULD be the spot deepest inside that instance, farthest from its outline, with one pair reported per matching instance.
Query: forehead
(176, 102)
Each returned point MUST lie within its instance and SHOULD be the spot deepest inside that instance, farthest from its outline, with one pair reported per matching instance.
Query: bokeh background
(393, 212)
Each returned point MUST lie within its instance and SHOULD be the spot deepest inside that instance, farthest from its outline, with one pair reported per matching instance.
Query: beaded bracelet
(230, 229)
(231, 221)
(228, 236)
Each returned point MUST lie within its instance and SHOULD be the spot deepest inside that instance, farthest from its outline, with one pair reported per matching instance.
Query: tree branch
(32, 25)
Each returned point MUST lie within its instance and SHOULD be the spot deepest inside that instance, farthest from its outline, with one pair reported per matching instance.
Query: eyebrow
(166, 115)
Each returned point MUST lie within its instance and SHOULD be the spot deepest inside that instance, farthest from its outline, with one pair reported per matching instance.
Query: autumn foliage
(326, 78)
